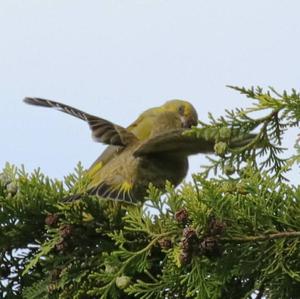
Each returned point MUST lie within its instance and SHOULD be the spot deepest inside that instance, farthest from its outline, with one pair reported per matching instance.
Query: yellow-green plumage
(152, 149)
(121, 173)
(124, 176)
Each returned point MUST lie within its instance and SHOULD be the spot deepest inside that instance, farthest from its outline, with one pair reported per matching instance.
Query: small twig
(261, 133)
(265, 237)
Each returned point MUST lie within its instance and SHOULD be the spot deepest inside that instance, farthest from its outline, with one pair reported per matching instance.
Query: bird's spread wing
(102, 130)
(177, 142)
(174, 141)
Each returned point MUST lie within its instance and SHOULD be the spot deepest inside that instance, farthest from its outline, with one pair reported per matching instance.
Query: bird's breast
(162, 168)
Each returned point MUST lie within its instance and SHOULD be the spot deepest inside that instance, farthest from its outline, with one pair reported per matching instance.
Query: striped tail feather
(58, 106)
(102, 130)
(103, 191)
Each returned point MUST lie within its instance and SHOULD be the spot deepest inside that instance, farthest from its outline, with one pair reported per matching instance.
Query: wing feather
(103, 130)
(178, 143)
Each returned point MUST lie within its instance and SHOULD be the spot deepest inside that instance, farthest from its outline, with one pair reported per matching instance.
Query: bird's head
(186, 111)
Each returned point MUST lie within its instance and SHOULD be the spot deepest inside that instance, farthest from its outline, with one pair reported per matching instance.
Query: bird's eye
(181, 110)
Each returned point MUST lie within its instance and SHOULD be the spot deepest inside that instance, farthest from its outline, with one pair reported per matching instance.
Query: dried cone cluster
(51, 220)
(188, 245)
(65, 233)
(165, 244)
(207, 245)
(182, 216)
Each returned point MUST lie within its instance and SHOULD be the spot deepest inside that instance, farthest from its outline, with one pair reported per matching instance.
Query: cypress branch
(232, 235)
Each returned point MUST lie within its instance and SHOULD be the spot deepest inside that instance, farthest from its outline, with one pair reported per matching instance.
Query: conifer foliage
(233, 232)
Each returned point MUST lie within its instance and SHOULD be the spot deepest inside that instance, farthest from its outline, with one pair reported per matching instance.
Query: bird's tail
(102, 191)
(58, 106)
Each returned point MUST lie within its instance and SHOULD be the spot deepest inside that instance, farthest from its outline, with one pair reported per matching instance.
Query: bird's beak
(188, 122)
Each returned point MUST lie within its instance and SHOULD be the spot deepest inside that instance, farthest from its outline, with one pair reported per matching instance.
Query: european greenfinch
(153, 149)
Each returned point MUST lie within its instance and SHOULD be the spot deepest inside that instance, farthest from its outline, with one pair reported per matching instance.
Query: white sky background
(116, 58)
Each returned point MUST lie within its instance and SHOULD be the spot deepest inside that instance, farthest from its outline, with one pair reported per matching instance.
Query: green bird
(153, 149)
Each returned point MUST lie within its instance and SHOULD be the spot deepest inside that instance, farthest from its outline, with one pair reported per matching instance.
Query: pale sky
(116, 58)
